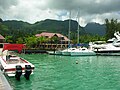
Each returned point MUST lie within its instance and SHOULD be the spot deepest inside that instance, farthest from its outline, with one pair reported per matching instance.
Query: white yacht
(111, 47)
(67, 51)
(82, 52)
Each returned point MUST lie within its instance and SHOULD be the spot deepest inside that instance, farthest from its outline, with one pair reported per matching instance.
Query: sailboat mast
(69, 28)
(78, 28)
(78, 32)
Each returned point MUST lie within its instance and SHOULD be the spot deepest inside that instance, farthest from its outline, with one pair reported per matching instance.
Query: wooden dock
(4, 85)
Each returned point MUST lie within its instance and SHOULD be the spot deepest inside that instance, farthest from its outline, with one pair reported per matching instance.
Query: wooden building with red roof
(62, 41)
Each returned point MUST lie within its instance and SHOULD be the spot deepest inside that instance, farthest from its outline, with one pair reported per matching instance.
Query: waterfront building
(54, 40)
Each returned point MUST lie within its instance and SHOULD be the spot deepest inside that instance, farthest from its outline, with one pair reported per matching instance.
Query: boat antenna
(69, 28)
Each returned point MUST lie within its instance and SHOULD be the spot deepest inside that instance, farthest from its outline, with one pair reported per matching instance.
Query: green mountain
(95, 29)
(43, 26)
(13, 27)
(13, 24)
(56, 26)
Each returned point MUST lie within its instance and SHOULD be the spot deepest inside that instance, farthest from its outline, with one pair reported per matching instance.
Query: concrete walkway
(4, 85)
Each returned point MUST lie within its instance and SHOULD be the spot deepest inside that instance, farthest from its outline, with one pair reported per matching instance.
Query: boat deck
(14, 61)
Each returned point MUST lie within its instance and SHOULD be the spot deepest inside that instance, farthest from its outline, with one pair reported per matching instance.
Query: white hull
(78, 52)
(109, 54)
(55, 53)
(58, 52)
(66, 53)
(82, 53)
(13, 74)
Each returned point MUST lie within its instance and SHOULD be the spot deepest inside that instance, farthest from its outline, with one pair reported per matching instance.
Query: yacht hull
(82, 53)
(108, 52)
(67, 53)
(55, 53)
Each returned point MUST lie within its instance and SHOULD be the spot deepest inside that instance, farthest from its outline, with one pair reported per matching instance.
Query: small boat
(67, 51)
(13, 65)
(82, 52)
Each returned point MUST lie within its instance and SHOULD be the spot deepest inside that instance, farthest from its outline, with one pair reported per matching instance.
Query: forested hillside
(17, 31)
(42, 26)
(95, 29)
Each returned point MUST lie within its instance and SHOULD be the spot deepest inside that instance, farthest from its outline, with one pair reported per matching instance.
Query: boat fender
(28, 71)
(18, 72)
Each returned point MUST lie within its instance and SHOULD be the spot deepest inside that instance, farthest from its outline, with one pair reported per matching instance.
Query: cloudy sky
(37, 10)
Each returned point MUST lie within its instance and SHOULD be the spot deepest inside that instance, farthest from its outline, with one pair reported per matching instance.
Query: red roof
(50, 35)
(1, 37)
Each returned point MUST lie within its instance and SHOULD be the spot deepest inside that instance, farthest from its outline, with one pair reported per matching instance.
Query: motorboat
(111, 47)
(67, 51)
(13, 65)
(108, 50)
(82, 51)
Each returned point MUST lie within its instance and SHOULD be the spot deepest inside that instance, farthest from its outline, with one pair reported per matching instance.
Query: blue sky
(37, 10)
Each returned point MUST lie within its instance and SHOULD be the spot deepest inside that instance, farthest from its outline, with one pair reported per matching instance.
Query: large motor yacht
(111, 47)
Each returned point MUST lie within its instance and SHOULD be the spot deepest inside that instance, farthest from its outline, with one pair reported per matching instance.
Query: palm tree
(41, 40)
(31, 42)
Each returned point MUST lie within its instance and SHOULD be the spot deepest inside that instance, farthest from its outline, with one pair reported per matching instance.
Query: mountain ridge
(55, 26)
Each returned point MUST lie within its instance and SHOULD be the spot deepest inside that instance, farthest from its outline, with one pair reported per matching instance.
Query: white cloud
(36, 10)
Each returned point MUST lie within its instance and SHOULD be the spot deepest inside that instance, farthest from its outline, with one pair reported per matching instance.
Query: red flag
(17, 47)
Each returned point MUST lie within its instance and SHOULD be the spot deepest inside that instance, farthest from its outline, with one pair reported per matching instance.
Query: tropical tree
(41, 40)
(55, 39)
(111, 26)
(91, 38)
(20, 40)
(31, 42)
(8, 39)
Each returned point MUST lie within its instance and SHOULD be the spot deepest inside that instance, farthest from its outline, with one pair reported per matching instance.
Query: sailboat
(67, 51)
(81, 51)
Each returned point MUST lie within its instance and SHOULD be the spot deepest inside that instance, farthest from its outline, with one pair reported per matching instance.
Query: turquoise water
(62, 73)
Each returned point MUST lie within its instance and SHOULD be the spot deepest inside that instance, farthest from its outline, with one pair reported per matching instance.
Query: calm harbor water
(62, 73)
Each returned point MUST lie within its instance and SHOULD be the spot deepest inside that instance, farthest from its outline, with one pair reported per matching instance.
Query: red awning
(17, 47)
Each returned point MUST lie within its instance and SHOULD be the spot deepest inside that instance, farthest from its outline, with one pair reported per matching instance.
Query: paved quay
(4, 85)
